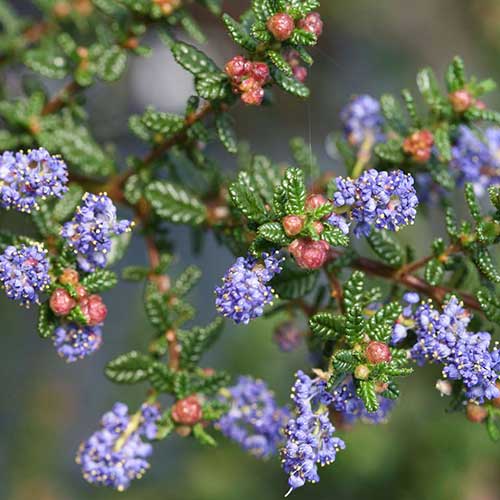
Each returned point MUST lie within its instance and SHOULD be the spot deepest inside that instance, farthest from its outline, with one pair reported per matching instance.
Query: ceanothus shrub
(368, 316)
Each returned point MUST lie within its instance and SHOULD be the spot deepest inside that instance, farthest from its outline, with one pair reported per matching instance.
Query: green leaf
(380, 325)
(274, 232)
(156, 307)
(289, 84)
(353, 290)
(294, 282)
(434, 272)
(196, 341)
(265, 176)
(135, 273)
(167, 124)
(46, 323)
(490, 304)
(344, 361)
(355, 324)
(429, 88)
(192, 59)
(366, 391)
(334, 236)
(327, 325)
(171, 202)
(492, 427)
(238, 33)
(455, 75)
(484, 263)
(295, 189)
(303, 37)
(48, 61)
(443, 144)
(390, 151)
(112, 63)
(472, 202)
(393, 114)
(99, 280)
(262, 9)
(304, 158)
(226, 132)
(392, 391)
(279, 61)
(129, 368)
(66, 206)
(203, 436)
(245, 197)
(161, 378)
(386, 247)
(186, 281)
(212, 86)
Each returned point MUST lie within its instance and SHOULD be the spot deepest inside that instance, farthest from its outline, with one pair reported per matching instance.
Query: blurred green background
(47, 407)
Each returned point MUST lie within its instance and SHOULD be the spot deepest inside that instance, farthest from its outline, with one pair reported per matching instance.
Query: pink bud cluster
(462, 100)
(282, 25)
(248, 79)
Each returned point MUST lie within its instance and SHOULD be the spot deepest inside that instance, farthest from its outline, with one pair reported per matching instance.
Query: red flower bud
(69, 277)
(81, 292)
(476, 413)
(309, 254)
(253, 97)
(237, 68)
(318, 227)
(314, 201)
(293, 224)
(187, 411)
(461, 100)
(93, 309)
(377, 352)
(281, 26)
(300, 73)
(312, 23)
(419, 145)
(260, 71)
(479, 104)
(61, 302)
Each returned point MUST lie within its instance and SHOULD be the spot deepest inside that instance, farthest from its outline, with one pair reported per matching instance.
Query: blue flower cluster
(116, 454)
(254, 420)
(444, 338)
(360, 118)
(351, 407)
(90, 231)
(24, 272)
(310, 433)
(384, 200)
(74, 342)
(25, 177)
(476, 160)
(245, 292)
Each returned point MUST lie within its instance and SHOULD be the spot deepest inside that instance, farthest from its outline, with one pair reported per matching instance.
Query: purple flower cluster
(360, 118)
(444, 338)
(384, 200)
(476, 160)
(288, 336)
(74, 342)
(310, 433)
(245, 292)
(91, 229)
(116, 454)
(254, 420)
(24, 272)
(25, 177)
(352, 408)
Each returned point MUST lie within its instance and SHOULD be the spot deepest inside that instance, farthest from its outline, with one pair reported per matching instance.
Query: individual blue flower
(443, 337)
(27, 177)
(244, 291)
(117, 453)
(381, 200)
(74, 342)
(310, 433)
(24, 272)
(361, 119)
(351, 408)
(90, 231)
(253, 420)
(340, 221)
(406, 319)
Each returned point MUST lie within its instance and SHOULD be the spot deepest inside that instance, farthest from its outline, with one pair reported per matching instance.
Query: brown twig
(61, 98)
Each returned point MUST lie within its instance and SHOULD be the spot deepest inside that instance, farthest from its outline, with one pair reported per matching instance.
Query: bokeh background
(47, 407)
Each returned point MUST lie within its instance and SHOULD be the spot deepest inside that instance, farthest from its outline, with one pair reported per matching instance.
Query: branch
(61, 98)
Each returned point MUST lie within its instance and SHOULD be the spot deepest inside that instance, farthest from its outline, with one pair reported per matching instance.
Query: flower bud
(377, 352)
(93, 309)
(293, 224)
(300, 73)
(314, 201)
(281, 26)
(361, 372)
(237, 68)
(312, 23)
(61, 303)
(253, 97)
(419, 145)
(81, 291)
(309, 254)
(461, 100)
(476, 413)
(318, 227)
(69, 277)
(187, 411)
(260, 71)
(444, 387)
(479, 104)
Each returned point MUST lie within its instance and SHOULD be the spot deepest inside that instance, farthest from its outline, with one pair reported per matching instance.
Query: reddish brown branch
(61, 98)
